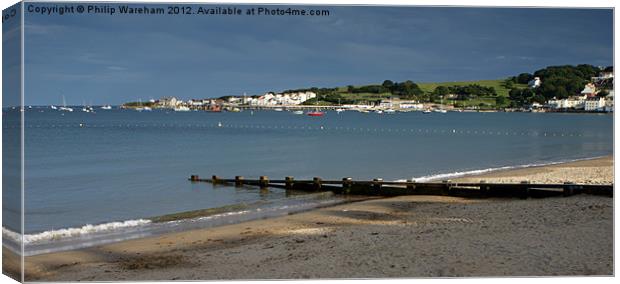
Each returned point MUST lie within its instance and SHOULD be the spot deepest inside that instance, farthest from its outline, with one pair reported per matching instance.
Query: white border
(479, 3)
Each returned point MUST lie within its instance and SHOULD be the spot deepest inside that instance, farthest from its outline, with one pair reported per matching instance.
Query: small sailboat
(64, 106)
(278, 109)
(298, 112)
(106, 107)
(378, 111)
(389, 110)
(339, 109)
(141, 108)
(440, 109)
(53, 107)
(427, 111)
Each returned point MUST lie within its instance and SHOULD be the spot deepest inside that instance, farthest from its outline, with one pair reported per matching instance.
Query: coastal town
(596, 95)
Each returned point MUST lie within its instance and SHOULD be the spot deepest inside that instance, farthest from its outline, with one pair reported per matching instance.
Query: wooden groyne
(379, 187)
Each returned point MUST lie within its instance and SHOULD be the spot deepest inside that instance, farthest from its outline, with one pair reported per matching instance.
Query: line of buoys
(403, 131)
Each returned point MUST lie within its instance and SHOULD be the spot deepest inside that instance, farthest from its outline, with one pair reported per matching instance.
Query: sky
(111, 59)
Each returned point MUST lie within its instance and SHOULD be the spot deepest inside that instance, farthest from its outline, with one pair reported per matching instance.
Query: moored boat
(316, 113)
(181, 108)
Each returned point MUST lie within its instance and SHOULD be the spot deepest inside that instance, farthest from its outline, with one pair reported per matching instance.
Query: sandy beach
(592, 171)
(406, 236)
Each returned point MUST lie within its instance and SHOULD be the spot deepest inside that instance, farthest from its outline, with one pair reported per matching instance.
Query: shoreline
(600, 172)
(469, 175)
(405, 236)
(500, 174)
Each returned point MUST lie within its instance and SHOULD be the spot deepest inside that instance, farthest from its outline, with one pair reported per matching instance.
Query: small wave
(441, 176)
(72, 232)
(87, 235)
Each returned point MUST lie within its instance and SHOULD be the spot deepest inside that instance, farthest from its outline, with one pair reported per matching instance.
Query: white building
(535, 105)
(589, 90)
(415, 106)
(169, 102)
(391, 103)
(534, 83)
(272, 99)
(196, 102)
(595, 104)
(573, 102)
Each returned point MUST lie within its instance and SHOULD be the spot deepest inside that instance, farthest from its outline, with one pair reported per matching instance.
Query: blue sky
(112, 59)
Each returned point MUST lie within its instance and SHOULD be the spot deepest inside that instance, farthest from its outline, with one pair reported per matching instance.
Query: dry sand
(593, 171)
(407, 236)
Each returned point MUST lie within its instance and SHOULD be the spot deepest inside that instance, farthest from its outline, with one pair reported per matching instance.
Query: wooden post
(238, 181)
(484, 189)
(446, 187)
(568, 189)
(288, 182)
(377, 183)
(410, 185)
(194, 178)
(346, 185)
(316, 182)
(263, 181)
(525, 189)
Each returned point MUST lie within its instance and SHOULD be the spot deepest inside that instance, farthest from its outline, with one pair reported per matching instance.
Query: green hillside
(419, 91)
(498, 85)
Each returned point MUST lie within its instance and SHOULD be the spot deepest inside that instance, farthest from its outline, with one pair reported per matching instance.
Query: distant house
(606, 74)
(535, 105)
(169, 102)
(412, 105)
(195, 102)
(534, 83)
(234, 99)
(589, 90)
(391, 103)
(573, 102)
(273, 99)
(595, 104)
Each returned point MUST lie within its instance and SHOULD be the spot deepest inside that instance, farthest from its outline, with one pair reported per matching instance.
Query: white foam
(72, 232)
(483, 171)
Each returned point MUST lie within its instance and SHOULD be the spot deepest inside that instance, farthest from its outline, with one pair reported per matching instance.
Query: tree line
(465, 92)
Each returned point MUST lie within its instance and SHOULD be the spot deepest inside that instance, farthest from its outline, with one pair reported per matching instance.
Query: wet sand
(406, 236)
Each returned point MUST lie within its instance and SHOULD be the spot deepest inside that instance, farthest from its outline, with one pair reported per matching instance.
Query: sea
(95, 178)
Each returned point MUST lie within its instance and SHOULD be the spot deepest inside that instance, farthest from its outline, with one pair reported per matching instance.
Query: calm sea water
(83, 168)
